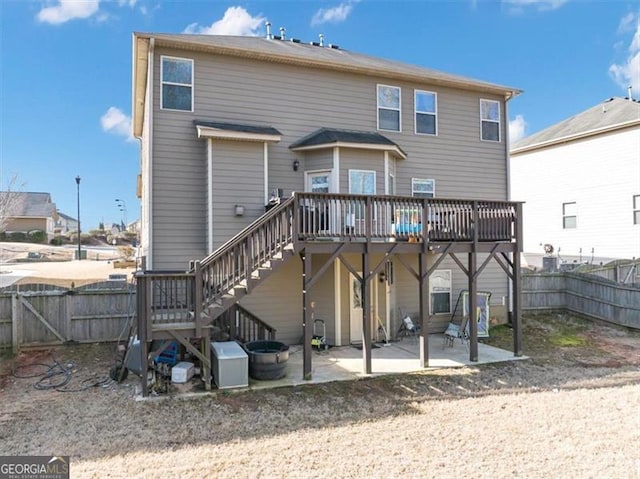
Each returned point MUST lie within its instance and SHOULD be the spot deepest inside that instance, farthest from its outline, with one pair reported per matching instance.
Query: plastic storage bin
(230, 365)
(182, 372)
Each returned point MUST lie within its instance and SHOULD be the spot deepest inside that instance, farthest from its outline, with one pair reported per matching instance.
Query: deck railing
(383, 218)
(239, 323)
(175, 297)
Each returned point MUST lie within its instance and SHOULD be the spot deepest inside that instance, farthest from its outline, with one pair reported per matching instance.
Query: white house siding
(600, 174)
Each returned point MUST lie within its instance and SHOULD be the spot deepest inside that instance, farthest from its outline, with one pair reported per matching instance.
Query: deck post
(143, 295)
(306, 316)
(366, 313)
(424, 309)
(516, 320)
(473, 304)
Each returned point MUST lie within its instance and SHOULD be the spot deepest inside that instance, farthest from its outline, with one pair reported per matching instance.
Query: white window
(362, 182)
(440, 291)
(177, 84)
(392, 184)
(490, 120)
(425, 107)
(569, 215)
(389, 108)
(423, 188)
(636, 209)
(319, 182)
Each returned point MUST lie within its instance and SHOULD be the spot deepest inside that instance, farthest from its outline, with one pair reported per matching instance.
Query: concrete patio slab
(346, 363)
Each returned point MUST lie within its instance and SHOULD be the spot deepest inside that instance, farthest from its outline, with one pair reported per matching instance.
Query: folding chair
(408, 327)
(455, 331)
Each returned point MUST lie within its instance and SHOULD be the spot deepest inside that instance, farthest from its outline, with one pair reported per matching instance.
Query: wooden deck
(183, 305)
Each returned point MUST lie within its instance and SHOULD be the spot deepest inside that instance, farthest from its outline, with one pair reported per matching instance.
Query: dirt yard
(571, 411)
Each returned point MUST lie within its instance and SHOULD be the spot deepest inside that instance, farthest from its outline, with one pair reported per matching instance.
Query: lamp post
(122, 206)
(79, 231)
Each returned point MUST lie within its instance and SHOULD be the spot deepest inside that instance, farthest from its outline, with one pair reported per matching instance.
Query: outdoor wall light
(296, 165)
(239, 210)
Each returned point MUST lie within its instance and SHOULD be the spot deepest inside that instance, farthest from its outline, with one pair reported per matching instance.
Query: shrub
(37, 236)
(17, 236)
(57, 241)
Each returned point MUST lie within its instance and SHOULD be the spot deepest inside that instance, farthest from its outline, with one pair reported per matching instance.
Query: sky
(65, 70)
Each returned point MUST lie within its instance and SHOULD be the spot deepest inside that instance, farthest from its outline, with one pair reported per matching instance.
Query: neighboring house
(367, 145)
(65, 224)
(28, 211)
(580, 181)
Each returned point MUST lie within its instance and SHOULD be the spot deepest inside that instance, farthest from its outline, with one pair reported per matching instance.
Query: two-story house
(305, 181)
(580, 180)
(27, 212)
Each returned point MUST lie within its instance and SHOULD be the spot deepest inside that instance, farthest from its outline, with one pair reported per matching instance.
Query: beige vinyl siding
(317, 160)
(298, 101)
(278, 301)
(492, 279)
(237, 179)
(285, 312)
(358, 159)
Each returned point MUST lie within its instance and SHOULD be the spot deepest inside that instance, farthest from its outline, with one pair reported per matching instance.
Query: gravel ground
(571, 411)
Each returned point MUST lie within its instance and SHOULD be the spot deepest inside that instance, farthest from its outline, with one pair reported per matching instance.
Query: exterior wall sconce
(296, 165)
(239, 210)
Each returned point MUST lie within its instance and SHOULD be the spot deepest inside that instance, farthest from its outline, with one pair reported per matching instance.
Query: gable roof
(294, 53)
(29, 204)
(330, 137)
(612, 114)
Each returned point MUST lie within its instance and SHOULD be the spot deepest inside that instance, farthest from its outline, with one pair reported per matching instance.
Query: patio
(345, 363)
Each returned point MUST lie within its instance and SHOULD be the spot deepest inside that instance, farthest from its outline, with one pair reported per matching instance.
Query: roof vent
(321, 36)
(268, 26)
(629, 93)
(283, 31)
(335, 47)
(315, 44)
(294, 40)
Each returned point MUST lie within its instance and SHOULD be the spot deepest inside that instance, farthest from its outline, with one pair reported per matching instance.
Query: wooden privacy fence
(43, 316)
(583, 294)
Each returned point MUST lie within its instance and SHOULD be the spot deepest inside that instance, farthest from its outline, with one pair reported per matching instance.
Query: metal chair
(408, 327)
(455, 331)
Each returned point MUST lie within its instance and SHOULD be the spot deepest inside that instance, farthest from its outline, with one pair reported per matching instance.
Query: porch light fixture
(296, 165)
(239, 210)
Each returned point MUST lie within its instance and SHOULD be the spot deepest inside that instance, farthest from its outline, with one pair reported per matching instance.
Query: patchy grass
(559, 411)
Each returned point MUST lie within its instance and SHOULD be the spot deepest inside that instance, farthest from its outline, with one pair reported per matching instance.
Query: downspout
(150, 153)
(210, 195)
(266, 173)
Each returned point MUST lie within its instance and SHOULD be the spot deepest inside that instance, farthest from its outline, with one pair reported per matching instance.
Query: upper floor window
(423, 188)
(425, 106)
(636, 209)
(177, 84)
(490, 120)
(389, 108)
(569, 215)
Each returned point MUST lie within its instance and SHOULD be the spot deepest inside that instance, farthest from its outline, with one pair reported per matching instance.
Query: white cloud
(517, 129)
(627, 72)
(66, 10)
(235, 21)
(539, 4)
(116, 122)
(627, 23)
(333, 15)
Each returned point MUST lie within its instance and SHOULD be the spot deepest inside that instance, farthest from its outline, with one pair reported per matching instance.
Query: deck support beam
(473, 305)
(366, 313)
(306, 315)
(516, 318)
(424, 309)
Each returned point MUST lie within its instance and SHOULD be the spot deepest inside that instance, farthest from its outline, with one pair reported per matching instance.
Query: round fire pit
(267, 359)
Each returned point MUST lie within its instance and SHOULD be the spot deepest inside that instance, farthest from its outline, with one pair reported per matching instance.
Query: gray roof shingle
(29, 204)
(329, 136)
(305, 53)
(242, 128)
(603, 116)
